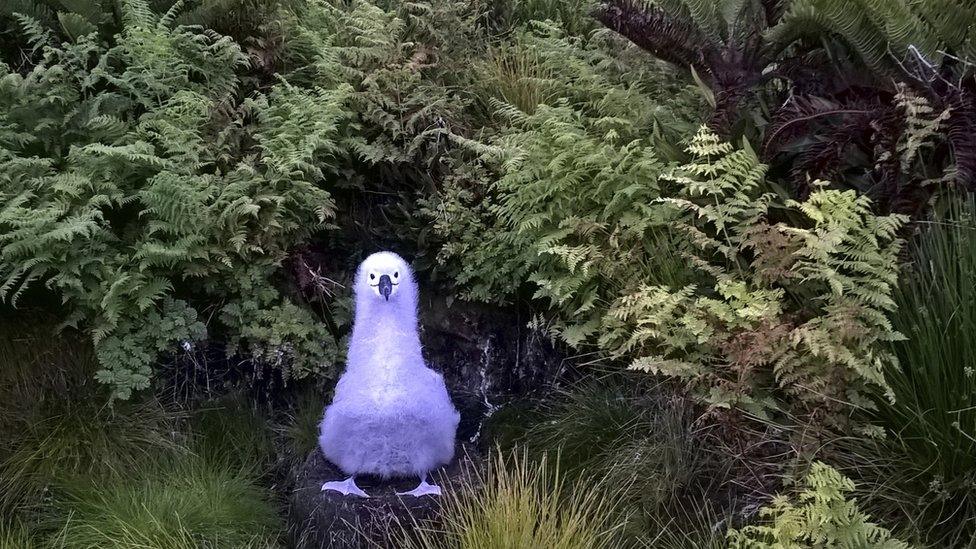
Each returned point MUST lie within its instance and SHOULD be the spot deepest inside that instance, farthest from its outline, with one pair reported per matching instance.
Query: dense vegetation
(752, 217)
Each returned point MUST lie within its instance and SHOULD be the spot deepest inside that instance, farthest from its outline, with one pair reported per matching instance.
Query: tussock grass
(298, 429)
(517, 75)
(923, 475)
(77, 472)
(15, 535)
(637, 437)
(635, 442)
(232, 430)
(520, 502)
(38, 367)
(175, 503)
(695, 524)
(83, 439)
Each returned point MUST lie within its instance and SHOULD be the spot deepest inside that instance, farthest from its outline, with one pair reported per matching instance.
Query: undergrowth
(922, 474)
(178, 502)
(636, 443)
(187, 182)
(518, 502)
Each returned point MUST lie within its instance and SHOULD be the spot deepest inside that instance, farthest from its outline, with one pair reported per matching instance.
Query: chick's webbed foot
(345, 487)
(423, 489)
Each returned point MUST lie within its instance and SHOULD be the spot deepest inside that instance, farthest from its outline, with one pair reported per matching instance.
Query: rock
(488, 357)
(330, 520)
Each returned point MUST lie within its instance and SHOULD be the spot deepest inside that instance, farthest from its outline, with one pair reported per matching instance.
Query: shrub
(607, 233)
(570, 180)
(820, 516)
(761, 64)
(572, 15)
(802, 304)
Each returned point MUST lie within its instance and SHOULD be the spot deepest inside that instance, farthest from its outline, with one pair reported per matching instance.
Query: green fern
(820, 516)
(737, 337)
(113, 199)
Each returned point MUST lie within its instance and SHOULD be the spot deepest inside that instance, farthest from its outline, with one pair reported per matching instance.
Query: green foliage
(921, 475)
(38, 366)
(78, 440)
(638, 441)
(605, 229)
(121, 191)
(694, 525)
(820, 516)
(299, 429)
(575, 175)
(802, 303)
(231, 430)
(571, 15)
(15, 535)
(393, 60)
(244, 20)
(888, 35)
(639, 445)
(518, 503)
(77, 473)
(71, 19)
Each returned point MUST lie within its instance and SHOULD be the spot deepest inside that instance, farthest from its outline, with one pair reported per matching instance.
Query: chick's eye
(371, 276)
(396, 274)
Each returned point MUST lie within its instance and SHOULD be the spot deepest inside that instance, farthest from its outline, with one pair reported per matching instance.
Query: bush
(570, 180)
(607, 233)
(798, 304)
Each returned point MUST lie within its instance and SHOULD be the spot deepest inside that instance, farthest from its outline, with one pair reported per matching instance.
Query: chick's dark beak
(386, 286)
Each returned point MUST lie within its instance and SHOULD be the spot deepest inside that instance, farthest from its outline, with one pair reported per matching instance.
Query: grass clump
(81, 439)
(185, 502)
(15, 535)
(922, 474)
(232, 430)
(637, 436)
(298, 428)
(520, 502)
(635, 442)
(78, 472)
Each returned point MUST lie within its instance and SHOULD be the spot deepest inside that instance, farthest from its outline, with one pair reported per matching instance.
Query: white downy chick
(391, 415)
